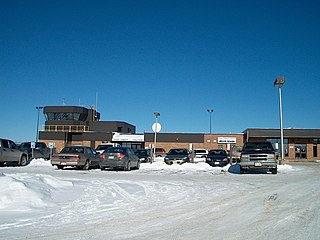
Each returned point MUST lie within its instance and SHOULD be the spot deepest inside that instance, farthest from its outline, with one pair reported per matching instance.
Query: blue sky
(175, 57)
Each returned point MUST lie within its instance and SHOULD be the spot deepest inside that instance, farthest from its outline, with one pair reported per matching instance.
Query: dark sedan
(76, 156)
(143, 154)
(217, 158)
(177, 155)
(119, 157)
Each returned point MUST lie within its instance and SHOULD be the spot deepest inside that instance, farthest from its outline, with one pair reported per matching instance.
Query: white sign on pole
(33, 145)
(156, 127)
(51, 145)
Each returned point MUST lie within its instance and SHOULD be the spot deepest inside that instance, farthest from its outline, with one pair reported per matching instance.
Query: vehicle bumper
(217, 163)
(67, 163)
(112, 164)
(175, 161)
(265, 165)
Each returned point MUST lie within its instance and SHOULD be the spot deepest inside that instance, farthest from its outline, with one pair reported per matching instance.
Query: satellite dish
(156, 127)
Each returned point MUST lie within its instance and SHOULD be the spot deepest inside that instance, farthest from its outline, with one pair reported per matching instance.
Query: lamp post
(210, 112)
(279, 82)
(156, 129)
(37, 133)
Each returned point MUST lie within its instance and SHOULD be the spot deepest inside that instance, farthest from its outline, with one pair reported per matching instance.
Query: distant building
(71, 125)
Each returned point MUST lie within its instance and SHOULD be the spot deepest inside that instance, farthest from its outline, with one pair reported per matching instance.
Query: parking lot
(189, 201)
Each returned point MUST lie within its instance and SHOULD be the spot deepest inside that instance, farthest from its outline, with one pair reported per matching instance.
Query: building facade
(72, 125)
(299, 144)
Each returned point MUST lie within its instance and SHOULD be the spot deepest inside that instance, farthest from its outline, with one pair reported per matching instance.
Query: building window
(119, 129)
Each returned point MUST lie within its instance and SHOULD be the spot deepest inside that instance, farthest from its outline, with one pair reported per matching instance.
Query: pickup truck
(40, 151)
(9, 152)
(258, 155)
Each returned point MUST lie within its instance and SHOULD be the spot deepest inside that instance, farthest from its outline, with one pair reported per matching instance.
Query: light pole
(157, 114)
(37, 133)
(279, 83)
(210, 112)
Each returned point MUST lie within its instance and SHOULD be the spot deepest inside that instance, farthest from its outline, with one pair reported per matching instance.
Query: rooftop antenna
(97, 101)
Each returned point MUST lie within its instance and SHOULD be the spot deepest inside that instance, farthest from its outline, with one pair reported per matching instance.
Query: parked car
(76, 156)
(143, 154)
(177, 155)
(119, 157)
(40, 151)
(235, 154)
(100, 149)
(217, 157)
(9, 152)
(259, 155)
(201, 153)
(160, 152)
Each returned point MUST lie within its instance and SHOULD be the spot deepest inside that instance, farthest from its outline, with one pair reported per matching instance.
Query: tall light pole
(210, 112)
(37, 133)
(279, 82)
(156, 128)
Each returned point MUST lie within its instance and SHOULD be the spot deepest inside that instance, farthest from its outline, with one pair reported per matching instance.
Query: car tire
(23, 160)
(274, 170)
(128, 166)
(86, 166)
(60, 167)
(138, 165)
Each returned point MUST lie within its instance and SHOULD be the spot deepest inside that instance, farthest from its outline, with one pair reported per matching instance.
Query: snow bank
(24, 192)
(39, 162)
(186, 168)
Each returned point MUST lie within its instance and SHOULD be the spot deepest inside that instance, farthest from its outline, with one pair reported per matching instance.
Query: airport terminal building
(73, 125)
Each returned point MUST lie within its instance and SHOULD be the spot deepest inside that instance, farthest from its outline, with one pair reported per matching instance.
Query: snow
(159, 201)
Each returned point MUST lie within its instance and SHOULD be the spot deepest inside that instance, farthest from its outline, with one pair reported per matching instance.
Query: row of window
(66, 116)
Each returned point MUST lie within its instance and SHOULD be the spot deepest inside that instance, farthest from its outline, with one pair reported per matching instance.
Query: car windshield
(217, 152)
(103, 147)
(115, 150)
(72, 150)
(178, 152)
(263, 146)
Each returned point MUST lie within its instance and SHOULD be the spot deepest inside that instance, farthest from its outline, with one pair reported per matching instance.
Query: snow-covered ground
(189, 201)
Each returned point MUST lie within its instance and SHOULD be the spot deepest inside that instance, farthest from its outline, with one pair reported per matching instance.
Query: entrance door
(301, 151)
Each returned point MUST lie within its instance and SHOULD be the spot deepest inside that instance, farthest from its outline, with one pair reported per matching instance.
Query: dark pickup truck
(40, 151)
(258, 155)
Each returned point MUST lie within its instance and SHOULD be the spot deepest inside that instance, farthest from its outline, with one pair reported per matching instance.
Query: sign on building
(232, 140)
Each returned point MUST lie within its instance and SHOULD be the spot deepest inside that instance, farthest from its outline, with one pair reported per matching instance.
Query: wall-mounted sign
(227, 140)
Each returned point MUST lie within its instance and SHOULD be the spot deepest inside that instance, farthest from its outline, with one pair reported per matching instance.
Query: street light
(210, 112)
(37, 133)
(279, 82)
(156, 129)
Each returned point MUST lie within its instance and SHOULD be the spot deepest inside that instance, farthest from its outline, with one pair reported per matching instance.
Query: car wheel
(59, 167)
(86, 166)
(1, 164)
(138, 164)
(128, 167)
(23, 160)
(274, 170)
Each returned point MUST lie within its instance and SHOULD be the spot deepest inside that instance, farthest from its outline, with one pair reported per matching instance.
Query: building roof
(287, 132)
